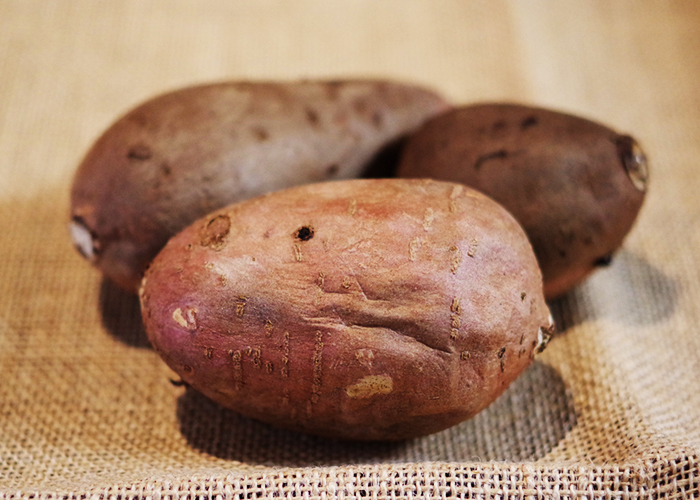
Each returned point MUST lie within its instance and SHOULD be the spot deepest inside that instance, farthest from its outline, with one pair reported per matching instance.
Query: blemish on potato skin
(213, 235)
(332, 170)
(352, 209)
(237, 357)
(285, 355)
(528, 122)
(413, 248)
(371, 385)
(312, 116)
(428, 218)
(493, 155)
(139, 152)
(209, 352)
(297, 252)
(304, 233)
(321, 280)
(317, 368)
(261, 134)
(256, 354)
(187, 318)
(268, 328)
(455, 259)
(464, 355)
(240, 306)
(473, 246)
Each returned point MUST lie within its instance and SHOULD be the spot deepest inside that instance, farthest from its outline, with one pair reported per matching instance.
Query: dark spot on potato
(332, 170)
(139, 152)
(522, 296)
(360, 105)
(261, 134)
(528, 122)
(187, 369)
(312, 116)
(603, 261)
(499, 126)
(304, 233)
(501, 352)
(165, 169)
(333, 88)
(493, 155)
(377, 119)
(215, 232)
(634, 160)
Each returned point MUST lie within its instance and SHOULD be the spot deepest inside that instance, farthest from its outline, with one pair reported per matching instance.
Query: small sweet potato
(575, 186)
(364, 309)
(179, 156)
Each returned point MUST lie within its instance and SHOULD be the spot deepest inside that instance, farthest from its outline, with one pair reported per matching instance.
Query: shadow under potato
(636, 294)
(524, 424)
(121, 315)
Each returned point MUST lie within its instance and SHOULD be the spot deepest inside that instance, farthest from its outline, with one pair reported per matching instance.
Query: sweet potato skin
(181, 155)
(362, 309)
(576, 186)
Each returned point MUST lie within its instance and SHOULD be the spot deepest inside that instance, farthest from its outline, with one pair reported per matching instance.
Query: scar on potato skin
(317, 368)
(240, 306)
(473, 247)
(285, 355)
(214, 233)
(428, 218)
(371, 385)
(187, 318)
(456, 259)
(297, 252)
(412, 248)
(237, 357)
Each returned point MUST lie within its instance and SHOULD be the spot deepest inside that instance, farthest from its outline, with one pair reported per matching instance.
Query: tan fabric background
(610, 410)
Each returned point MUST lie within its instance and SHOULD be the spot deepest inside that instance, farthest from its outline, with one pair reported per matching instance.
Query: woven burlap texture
(610, 410)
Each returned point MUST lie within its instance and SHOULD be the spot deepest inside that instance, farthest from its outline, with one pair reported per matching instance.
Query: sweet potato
(576, 186)
(368, 309)
(181, 155)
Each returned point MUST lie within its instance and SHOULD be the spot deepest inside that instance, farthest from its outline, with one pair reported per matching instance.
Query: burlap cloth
(610, 410)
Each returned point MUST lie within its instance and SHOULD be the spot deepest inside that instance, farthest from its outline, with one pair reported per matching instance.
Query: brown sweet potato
(362, 309)
(181, 155)
(575, 186)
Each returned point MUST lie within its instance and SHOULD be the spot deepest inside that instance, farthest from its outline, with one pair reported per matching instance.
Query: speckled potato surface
(575, 186)
(181, 155)
(361, 309)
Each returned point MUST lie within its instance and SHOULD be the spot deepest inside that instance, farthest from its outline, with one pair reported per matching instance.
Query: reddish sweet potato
(177, 157)
(575, 186)
(364, 309)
